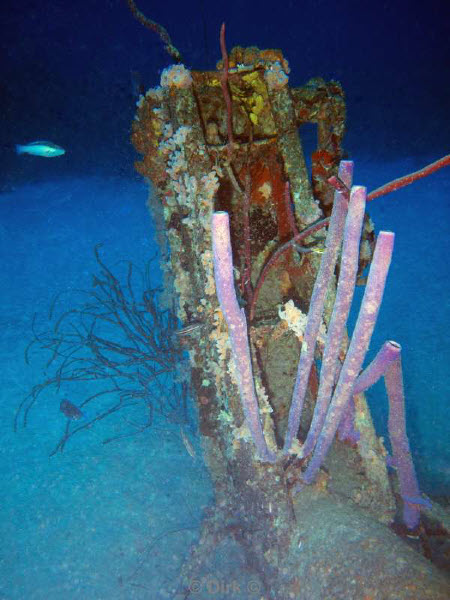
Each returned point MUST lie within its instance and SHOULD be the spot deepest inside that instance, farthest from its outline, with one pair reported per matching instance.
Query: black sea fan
(121, 346)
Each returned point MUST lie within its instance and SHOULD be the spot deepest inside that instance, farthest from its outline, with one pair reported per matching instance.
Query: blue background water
(117, 521)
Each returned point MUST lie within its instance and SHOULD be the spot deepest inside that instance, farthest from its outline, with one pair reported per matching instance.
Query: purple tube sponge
(401, 453)
(346, 172)
(371, 374)
(346, 431)
(237, 328)
(316, 305)
(341, 309)
(359, 344)
(389, 352)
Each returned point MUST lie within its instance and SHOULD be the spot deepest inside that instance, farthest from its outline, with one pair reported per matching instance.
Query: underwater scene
(225, 241)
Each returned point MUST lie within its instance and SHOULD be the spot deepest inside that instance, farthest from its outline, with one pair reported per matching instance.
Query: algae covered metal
(227, 141)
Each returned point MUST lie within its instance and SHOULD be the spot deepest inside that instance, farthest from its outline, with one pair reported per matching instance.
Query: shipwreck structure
(227, 174)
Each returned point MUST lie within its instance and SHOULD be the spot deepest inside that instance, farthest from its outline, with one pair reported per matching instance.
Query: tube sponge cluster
(338, 383)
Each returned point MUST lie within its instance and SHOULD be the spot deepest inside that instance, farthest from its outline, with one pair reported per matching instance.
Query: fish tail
(19, 149)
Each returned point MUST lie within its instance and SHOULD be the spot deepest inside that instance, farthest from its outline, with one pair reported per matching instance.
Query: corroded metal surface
(181, 132)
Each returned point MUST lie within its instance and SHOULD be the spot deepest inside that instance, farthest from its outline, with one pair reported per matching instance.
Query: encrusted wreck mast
(227, 140)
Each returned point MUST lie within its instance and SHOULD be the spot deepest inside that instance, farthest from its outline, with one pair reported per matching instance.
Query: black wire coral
(121, 346)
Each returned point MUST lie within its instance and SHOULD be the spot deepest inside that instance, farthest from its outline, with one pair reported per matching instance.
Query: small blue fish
(71, 411)
(45, 149)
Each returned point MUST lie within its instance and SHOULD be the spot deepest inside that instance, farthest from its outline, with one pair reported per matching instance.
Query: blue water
(80, 524)
(116, 521)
